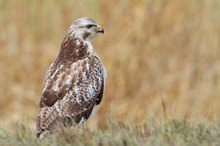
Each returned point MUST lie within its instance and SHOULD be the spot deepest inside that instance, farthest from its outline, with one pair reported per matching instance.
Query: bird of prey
(74, 82)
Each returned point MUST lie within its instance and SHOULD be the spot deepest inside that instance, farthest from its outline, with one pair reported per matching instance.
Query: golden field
(162, 57)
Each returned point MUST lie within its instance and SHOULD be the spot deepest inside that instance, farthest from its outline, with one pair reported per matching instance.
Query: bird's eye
(89, 26)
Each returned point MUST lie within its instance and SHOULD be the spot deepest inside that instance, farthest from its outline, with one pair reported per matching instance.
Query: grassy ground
(151, 133)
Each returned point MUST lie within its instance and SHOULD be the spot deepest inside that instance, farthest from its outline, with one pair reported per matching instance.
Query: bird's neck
(73, 49)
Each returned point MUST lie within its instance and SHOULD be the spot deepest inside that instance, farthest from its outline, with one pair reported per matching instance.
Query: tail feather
(45, 121)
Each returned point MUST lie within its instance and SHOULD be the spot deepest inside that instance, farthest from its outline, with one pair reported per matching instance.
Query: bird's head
(85, 28)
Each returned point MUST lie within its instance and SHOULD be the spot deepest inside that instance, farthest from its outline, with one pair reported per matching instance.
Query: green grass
(152, 133)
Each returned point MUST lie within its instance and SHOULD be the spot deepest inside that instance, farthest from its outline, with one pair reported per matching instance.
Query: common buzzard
(74, 82)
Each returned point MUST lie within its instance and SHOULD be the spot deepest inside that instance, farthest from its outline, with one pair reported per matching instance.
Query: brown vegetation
(162, 57)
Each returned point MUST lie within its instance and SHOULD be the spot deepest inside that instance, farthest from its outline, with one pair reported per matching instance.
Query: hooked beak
(100, 29)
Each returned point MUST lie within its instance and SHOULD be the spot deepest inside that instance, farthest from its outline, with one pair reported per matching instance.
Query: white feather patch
(90, 90)
(105, 72)
(68, 80)
(55, 87)
(78, 100)
(81, 121)
(87, 66)
(90, 47)
(94, 110)
(84, 76)
(77, 42)
(76, 89)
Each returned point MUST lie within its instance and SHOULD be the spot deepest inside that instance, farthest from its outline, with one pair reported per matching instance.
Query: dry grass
(158, 54)
(150, 133)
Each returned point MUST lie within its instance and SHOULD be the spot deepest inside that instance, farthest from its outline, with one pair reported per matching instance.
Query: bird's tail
(46, 121)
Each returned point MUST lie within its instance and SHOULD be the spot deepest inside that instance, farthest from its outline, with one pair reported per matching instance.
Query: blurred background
(162, 57)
